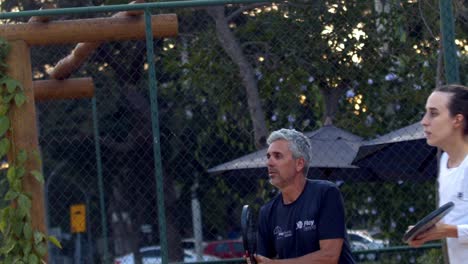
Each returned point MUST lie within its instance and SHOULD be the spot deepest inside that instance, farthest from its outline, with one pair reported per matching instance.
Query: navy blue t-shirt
(294, 230)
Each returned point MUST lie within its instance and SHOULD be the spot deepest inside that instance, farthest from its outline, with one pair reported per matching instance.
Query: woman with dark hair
(446, 127)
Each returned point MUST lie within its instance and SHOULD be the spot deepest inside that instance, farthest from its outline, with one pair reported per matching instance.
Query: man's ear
(458, 120)
(300, 164)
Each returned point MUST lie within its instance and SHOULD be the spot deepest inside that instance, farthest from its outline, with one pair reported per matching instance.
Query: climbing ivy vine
(20, 243)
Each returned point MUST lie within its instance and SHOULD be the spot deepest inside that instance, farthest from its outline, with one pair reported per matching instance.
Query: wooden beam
(90, 30)
(63, 89)
(66, 66)
(23, 133)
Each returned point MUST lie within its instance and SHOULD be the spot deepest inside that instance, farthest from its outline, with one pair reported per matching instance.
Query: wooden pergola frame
(89, 34)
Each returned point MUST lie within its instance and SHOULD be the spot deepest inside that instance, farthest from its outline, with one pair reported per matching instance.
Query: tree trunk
(125, 234)
(331, 96)
(382, 6)
(231, 46)
(141, 107)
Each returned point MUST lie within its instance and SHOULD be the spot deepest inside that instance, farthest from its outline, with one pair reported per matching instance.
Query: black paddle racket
(249, 233)
(428, 221)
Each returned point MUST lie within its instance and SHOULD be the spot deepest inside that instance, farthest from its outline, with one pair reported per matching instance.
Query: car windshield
(151, 253)
(359, 238)
(222, 248)
(238, 247)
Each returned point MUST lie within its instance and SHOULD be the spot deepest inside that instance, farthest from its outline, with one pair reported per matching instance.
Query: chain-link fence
(354, 75)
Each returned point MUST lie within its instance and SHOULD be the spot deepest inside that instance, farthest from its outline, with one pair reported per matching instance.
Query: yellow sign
(78, 218)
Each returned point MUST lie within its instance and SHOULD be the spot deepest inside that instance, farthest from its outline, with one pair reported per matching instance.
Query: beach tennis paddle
(427, 222)
(249, 233)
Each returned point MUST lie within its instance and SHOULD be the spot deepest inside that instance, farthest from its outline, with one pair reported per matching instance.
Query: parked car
(152, 255)
(225, 249)
(363, 240)
(189, 243)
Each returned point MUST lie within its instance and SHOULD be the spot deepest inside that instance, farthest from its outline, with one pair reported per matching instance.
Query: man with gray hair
(305, 222)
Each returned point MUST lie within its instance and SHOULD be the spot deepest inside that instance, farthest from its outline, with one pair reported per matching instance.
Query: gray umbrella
(400, 154)
(333, 150)
(408, 133)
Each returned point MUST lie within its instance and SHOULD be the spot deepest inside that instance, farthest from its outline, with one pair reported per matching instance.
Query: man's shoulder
(320, 184)
(320, 188)
(271, 203)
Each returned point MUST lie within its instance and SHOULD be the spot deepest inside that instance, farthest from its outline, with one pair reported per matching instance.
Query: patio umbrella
(402, 154)
(333, 150)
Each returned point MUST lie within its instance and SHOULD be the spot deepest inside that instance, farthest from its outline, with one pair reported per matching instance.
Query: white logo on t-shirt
(306, 225)
(279, 233)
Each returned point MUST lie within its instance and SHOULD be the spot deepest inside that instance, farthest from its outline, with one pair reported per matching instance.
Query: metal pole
(77, 256)
(46, 202)
(452, 74)
(90, 259)
(102, 203)
(122, 7)
(197, 222)
(447, 26)
(156, 138)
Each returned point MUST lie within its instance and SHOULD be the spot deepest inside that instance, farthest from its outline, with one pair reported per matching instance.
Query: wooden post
(23, 134)
(75, 88)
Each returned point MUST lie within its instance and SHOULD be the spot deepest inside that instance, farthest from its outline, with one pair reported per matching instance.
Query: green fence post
(452, 74)
(102, 203)
(156, 137)
(447, 30)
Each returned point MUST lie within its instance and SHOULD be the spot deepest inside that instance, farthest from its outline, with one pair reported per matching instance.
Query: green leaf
(4, 124)
(11, 174)
(4, 109)
(27, 247)
(20, 98)
(27, 231)
(24, 202)
(2, 225)
(7, 99)
(38, 237)
(41, 248)
(5, 212)
(10, 84)
(23, 212)
(16, 185)
(55, 241)
(38, 175)
(37, 157)
(22, 156)
(4, 146)
(7, 248)
(9, 258)
(33, 259)
(20, 172)
(11, 195)
(17, 228)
